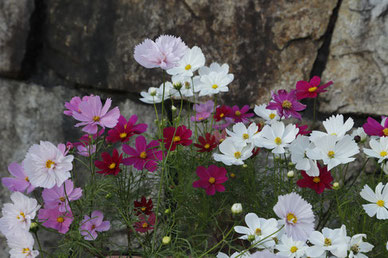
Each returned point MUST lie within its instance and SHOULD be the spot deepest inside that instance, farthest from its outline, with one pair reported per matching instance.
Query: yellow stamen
(232, 175)
(187, 67)
(112, 166)
(380, 203)
(214, 86)
(385, 131)
(62, 199)
(383, 153)
(272, 116)
(21, 214)
(222, 115)
(50, 163)
(237, 154)
(212, 180)
(291, 218)
(207, 146)
(237, 113)
(143, 208)
(327, 241)
(286, 104)
(258, 231)
(245, 136)
(27, 179)
(278, 141)
(26, 250)
(60, 219)
(177, 139)
(93, 226)
(123, 135)
(143, 155)
(293, 249)
(312, 89)
(331, 154)
(316, 179)
(96, 118)
(145, 225)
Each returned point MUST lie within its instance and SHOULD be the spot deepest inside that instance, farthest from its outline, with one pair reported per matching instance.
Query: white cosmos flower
(241, 134)
(378, 199)
(276, 137)
(258, 229)
(213, 80)
(379, 149)
(270, 116)
(357, 247)
(46, 166)
(186, 87)
(155, 95)
(234, 255)
(22, 245)
(18, 215)
(333, 152)
(290, 248)
(334, 125)
(332, 240)
(298, 149)
(191, 62)
(233, 153)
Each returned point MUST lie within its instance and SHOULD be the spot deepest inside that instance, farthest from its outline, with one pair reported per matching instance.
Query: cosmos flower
(291, 248)
(241, 115)
(334, 125)
(378, 199)
(203, 111)
(125, 129)
(143, 207)
(242, 134)
(302, 129)
(73, 105)
(310, 89)
(182, 85)
(317, 183)
(223, 117)
(233, 153)
(268, 115)
(191, 62)
(379, 149)
(176, 136)
(93, 224)
(357, 246)
(21, 244)
(20, 182)
(56, 196)
(207, 143)
(372, 127)
(213, 80)
(286, 104)
(145, 224)
(211, 179)
(298, 149)
(53, 218)
(110, 165)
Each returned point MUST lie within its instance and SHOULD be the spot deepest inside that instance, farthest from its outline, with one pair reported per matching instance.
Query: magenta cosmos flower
(165, 52)
(18, 183)
(53, 218)
(310, 89)
(144, 156)
(372, 127)
(203, 111)
(56, 196)
(92, 114)
(176, 136)
(296, 214)
(145, 224)
(125, 129)
(93, 224)
(211, 179)
(241, 115)
(110, 165)
(73, 105)
(286, 104)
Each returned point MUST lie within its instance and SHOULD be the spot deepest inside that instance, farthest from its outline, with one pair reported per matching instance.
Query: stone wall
(52, 50)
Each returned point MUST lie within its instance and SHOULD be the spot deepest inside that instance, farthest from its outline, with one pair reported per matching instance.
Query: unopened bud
(173, 108)
(290, 174)
(251, 238)
(336, 185)
(167, 211)
(166, 240)
(108, 196)
(34, 227)
(245, 165)
(177, 85)
(232, 175)
(290, 164)
(236, 208)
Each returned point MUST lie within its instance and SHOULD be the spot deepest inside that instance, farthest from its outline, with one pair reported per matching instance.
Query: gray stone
(14, 28)
(358, 61)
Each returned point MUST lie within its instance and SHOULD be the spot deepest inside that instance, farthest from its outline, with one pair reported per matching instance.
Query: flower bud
(232, 175)
(290, 164)
(167, 211)
(236, 208)
(34, 227)
(251, 238)
(290, 174)
(177, 86)
(166, 240)
(336, 185)
(173, 108)
(245, 165)
(108, 196)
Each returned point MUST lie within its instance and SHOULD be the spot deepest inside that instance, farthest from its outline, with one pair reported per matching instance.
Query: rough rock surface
(14, 27)
(268, 44)
(358, 61)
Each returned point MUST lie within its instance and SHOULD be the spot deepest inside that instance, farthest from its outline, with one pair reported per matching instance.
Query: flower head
(125, 129)
(241, 115)
(286, 104)
(110, 165)
(288, 247)
(334, 125)
(242, 134)
(20, 182)
(207, 143)
(213, 80)
(233, 153)
(223, 116)
(378, 199)
(191, 62)
(144, 206)
(379, 149)
(357, 246)
(145, 224)
(73, 105)
(298, 149)
(268, 115)
(53, 218)
(310, 89)
(58, 196)
(22, 245)
(211, 179)
(372, 127)
(317, 183)
(93, 224)
(176, 136)
(203, 111)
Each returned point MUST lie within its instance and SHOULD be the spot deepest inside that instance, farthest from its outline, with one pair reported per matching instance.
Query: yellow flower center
(286, 104)
(293, 249)
(112, 166)
(143, 155)
(258, 231)
(62, 199)
(93, 226)
(316, 179)
(272, 116)
(214, 86)
(331, 154)
(383, 153)
(187, 67)
(327, 241)
(312, 89)
(355, 249)
(380, 203)
(145, 225)
(212, 180)
(232, 175)
(60, 219)
(123, 135)
(291, 218)
(143, 208)
(237, 154)
(245, 136)
(50, 163)
(278, 141)
(207, 146)
(177, 139)
(222, 115)
(96, 118)
(27, 179)
(26, 250)
(385, 131)
(21, 214)
(237, 113)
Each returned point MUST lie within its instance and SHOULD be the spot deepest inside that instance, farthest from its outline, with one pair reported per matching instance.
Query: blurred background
(52, 50)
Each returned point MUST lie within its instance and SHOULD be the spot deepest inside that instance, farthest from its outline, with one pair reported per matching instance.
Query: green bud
(167, 211)
(108, 196)
(251, 238)
(166, 240)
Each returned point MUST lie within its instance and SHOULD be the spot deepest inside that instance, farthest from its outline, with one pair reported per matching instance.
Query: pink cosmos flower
(176, 136)
(372, 127)
(165, 52)
(84, 146)
(211, 179)
(53, 218)
(145, 224)
(241, 115)
(203, 111)
(92, 114)
(144, 156)
(125, 129)
(286, 104)
(93, 224)
(310, 89)
(55, 198)
(72, 105)
(297, 215)
(18, 183)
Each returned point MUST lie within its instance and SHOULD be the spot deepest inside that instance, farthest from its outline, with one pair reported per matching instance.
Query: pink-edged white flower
(357, 246)
(93, 224)
(270, 116)
(191, 62)
(379, 149)
(233, 153)
(276, 137)
(258, 230)
(333, 151)
(18, 215)
(92, 114)
(56, 196)
(22, 245)
(298, 149)
(296, 214)
(46, 166)
(291, 248)
(334, 125)
(330, 240)
(242, 134)
(20, 182)
(378, 199)
(213, 80)
(165, 52)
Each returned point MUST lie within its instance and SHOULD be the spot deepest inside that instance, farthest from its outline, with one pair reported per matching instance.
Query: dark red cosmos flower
(310, 89)
(241, 115)
(372, 127)
(125, 129)
(110, 165)
(222, 112)
(145, 224)
(317, 183)
(144, 206)
(206, 144)
(173, 137)
(211, 179)
(302, 129)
